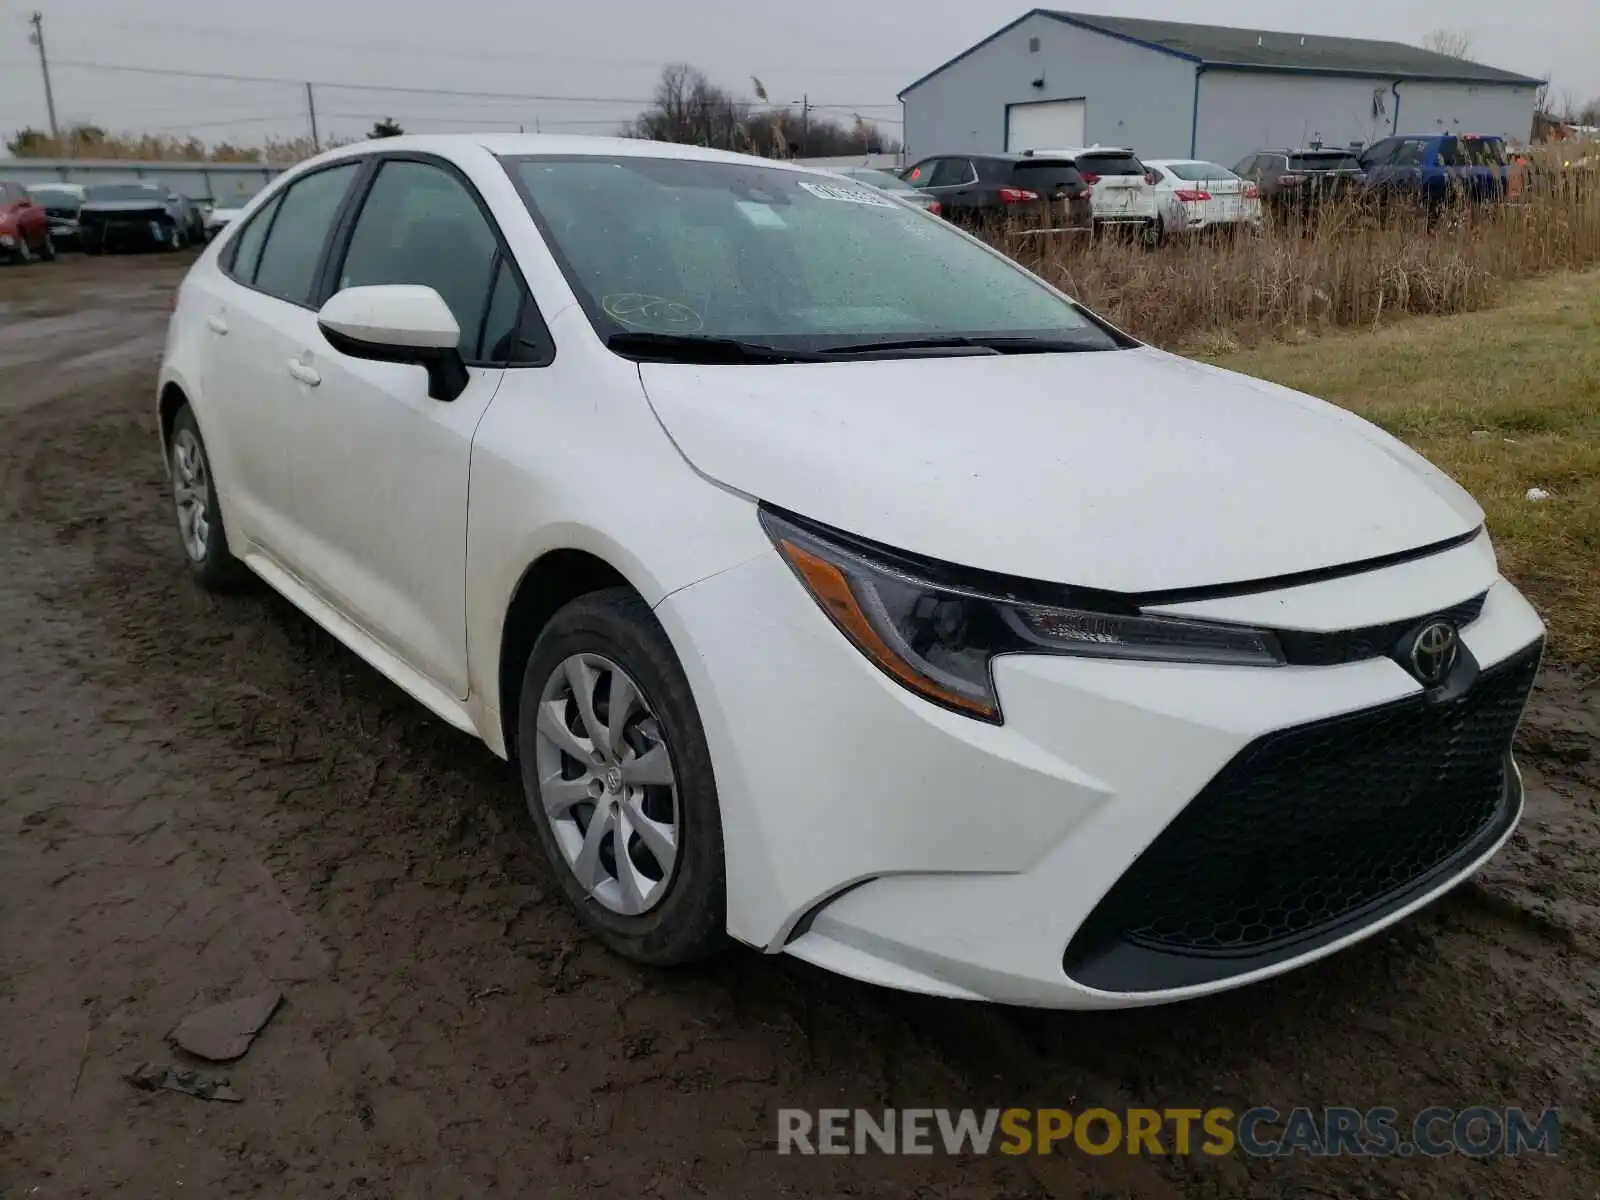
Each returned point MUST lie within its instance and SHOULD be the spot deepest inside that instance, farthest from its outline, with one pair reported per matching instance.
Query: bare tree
(688, 107)
(1457, 43)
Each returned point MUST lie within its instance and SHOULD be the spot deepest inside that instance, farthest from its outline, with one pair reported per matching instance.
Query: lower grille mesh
(1308, 828)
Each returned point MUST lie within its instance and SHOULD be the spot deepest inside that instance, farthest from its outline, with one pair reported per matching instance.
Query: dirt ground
(202, 797)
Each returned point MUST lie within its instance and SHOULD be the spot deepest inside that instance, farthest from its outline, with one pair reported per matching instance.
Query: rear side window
(952, 172)
(1483, 152)
(921, 174)
(245, 254)
(420, 225)
(289, 261)
(1047, 175)
(1324, 161)
(1110, 164)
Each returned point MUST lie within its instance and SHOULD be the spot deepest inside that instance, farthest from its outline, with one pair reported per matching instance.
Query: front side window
(953, 172)
(733, 250)
(420, 225)
(305, 217)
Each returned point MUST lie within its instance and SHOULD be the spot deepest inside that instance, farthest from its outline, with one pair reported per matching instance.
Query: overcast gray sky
(853, 55)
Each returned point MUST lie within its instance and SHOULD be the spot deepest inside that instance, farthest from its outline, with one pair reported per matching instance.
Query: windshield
(755, 253)
(1341, 160)
(49, 194)
(1198, 172)
(125, 191)
(880, 179)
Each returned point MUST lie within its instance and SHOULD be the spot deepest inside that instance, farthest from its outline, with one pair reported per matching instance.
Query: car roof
(1075, 151)
(574, 145)
(1180, 162)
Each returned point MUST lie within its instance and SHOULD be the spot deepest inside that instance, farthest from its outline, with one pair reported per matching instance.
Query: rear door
(1485, 166)
(255, 310)
(954, 184)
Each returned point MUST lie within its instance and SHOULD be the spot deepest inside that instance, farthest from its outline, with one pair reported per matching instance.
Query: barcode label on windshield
(850, 195)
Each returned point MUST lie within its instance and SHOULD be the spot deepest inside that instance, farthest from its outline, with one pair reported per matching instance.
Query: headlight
(937, 636)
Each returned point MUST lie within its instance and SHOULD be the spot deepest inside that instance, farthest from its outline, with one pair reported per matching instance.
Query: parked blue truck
(1436, 168)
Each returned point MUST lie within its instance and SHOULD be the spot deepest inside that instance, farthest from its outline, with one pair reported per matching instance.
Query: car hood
(1130, 470)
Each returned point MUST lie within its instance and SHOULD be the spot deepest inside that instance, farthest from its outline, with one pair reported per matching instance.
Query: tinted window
(289, 261)
(420, 225)
(246, 252)
(1110, 164)
(1198, 172)
(756, 252)
(952, 172)
(1044, 175)
(1324, 160)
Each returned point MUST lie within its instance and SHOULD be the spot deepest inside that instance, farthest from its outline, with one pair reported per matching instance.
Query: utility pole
(311, 106)
(805, 122)
(37, 38)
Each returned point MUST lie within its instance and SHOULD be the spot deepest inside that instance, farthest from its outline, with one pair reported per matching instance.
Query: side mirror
(398, 323)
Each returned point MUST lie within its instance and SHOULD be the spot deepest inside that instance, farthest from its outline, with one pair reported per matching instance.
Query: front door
(379, 469)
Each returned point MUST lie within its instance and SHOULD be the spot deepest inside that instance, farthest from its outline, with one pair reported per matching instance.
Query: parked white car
(1193, 195)
(838, 586)
(225, 211)
(1122, 188)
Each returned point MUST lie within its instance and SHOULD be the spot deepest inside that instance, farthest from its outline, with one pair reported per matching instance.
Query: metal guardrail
(216, 182)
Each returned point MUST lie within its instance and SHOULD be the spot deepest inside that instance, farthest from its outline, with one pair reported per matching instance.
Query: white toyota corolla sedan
(839, 587)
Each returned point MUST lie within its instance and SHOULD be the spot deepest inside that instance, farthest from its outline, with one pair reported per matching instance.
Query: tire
(196, 509)
(48, 250)
(674, 913)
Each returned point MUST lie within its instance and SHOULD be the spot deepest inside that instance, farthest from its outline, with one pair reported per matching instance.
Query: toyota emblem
(1434, 652)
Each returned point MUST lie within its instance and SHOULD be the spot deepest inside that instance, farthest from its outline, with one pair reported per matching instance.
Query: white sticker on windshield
(762, 215)
(850, 195)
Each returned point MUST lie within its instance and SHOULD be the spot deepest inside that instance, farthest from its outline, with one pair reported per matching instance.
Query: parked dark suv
(1297, 181)
(1042, 192)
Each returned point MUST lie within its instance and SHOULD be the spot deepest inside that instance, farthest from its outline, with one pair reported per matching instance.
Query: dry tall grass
(1354, 266)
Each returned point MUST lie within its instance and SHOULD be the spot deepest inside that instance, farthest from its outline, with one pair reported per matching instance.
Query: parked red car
(24, 227)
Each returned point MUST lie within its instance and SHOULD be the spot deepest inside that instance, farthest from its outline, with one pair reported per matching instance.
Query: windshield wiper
(696, 348)
(981, 344)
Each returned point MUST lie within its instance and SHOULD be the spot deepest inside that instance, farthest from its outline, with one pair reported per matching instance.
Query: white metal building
(1172, 90)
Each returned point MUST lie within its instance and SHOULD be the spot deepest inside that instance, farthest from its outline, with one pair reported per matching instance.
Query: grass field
(1504, 399)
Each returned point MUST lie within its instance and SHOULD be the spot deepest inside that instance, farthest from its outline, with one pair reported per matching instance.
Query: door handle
(217, 325)
(305, 374)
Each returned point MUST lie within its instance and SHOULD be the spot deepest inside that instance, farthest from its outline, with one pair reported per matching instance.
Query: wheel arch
(554, 579)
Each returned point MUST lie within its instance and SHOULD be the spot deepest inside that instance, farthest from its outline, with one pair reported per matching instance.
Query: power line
(432, 51)
(399, 89)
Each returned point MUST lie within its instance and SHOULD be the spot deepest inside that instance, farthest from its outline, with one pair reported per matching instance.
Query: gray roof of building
(1271, 50)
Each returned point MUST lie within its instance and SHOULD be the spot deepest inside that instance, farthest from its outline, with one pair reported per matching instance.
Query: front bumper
(876, 835)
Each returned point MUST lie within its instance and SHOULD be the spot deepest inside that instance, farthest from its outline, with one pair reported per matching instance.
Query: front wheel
(617, 778)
